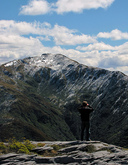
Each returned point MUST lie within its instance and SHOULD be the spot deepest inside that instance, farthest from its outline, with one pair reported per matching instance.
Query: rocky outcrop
(74, 153)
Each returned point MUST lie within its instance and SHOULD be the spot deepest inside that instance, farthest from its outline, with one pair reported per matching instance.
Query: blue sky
(92, 32)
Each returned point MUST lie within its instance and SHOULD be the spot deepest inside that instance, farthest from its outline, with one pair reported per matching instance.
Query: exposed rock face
(40, 95)
(90, 153)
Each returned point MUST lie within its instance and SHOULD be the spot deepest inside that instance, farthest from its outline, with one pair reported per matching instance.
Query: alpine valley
(39, 97)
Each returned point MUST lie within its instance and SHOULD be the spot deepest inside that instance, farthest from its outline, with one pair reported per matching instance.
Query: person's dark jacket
(85, 111)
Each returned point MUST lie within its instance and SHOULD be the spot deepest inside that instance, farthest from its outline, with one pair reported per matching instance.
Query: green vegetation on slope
(30, 115)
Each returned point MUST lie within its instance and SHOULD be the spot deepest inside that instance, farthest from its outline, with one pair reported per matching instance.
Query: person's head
(85, 103)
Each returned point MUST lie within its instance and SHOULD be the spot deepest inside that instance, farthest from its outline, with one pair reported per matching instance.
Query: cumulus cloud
(21, 39)
(115, 63)
(108, 57)
(15, 42)
(36, 7)
(15, 46)
(40, 7)
(18, 39)
(114, 35)
(65, 36)
(23, 28)
(96, 46)
(79, 6)
(60, 34)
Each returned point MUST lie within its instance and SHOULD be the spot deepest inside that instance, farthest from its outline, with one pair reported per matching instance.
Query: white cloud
(115, 62)
(123, 49)
(40, 7)
(96, 46)
(15, 46)
(65, 36)
(16, 40)
(114, 35)
(22, 28)
(80, 5)
(12, 42)
(60, 34)
(21, 39)
(115, 58)
(36, 7)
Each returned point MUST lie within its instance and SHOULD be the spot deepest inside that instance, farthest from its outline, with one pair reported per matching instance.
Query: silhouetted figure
(85, 111)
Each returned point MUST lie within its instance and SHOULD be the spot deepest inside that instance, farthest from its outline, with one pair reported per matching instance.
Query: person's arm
(89, 108)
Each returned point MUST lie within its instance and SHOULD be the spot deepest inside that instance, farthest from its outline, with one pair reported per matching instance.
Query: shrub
(40, 144)
(23, 149)
(2, 145)
(19, 147)
(29, 145)
(56, 147)
(89, 148)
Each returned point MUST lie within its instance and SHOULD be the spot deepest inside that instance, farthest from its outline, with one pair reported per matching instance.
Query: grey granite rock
(42, 150)
(77, 153)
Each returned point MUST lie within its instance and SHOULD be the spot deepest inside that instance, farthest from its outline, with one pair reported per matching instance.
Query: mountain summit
(39, 97)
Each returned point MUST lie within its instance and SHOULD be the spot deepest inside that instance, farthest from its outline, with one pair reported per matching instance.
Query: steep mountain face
(39, 97)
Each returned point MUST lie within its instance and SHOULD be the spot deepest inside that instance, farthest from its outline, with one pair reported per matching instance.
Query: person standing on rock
(85, 111)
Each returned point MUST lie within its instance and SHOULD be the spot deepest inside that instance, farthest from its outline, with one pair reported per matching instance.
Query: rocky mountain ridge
(37, 90)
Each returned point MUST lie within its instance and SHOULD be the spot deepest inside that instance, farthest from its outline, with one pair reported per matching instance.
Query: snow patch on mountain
(10, 63)
(55, 62)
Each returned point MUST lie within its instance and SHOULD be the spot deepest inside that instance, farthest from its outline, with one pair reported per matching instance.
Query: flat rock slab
(72, 153)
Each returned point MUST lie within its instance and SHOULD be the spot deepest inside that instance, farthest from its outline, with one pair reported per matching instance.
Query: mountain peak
(53, 61)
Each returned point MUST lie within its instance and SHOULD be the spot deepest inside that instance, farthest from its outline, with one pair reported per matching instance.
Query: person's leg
(82, 130)
(87, 131)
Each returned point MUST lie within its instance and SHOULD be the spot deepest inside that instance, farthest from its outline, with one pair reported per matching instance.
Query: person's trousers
(85, 124)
